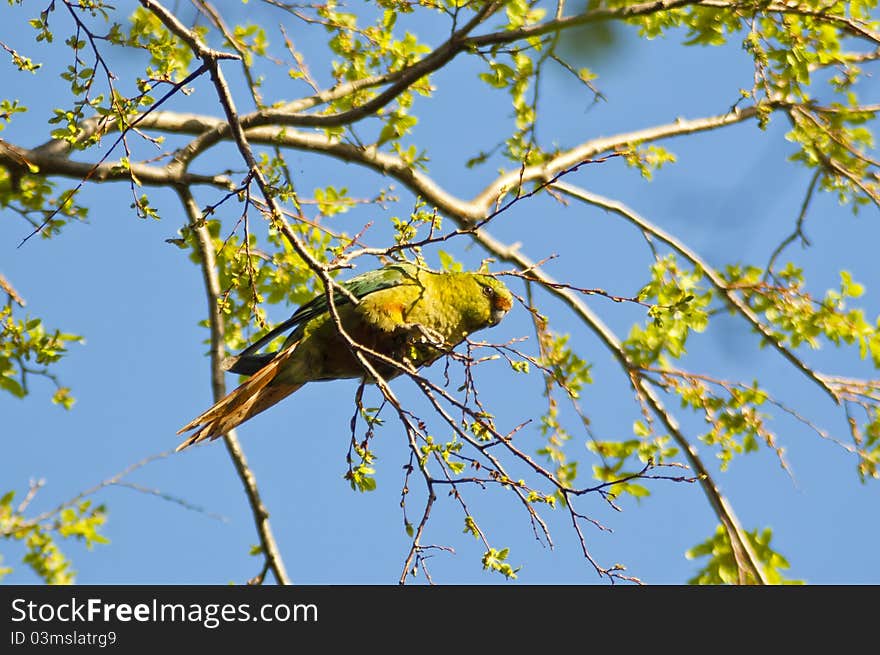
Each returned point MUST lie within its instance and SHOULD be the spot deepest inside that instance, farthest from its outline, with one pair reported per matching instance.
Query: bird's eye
(488, 291)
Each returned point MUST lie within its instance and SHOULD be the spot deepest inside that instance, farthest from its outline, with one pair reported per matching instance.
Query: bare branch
(115, 479)
(48, 163)
(11, 292)
(218, 385)
(799, 225)
(211, 130)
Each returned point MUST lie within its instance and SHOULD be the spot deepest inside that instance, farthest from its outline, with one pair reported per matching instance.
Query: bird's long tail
(253, 396)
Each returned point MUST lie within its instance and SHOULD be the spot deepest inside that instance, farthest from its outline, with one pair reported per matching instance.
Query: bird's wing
(359, 286)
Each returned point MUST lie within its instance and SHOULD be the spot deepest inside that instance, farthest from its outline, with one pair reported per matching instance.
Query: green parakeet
(408, 313)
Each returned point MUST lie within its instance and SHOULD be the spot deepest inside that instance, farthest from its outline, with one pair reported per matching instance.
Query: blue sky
(142, 372)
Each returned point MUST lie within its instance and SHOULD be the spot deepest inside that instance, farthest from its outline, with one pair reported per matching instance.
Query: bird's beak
(500, 308)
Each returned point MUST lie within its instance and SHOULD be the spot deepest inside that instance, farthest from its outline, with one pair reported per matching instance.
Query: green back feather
(359, 286)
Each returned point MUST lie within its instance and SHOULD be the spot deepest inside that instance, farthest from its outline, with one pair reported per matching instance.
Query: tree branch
(849, 25)
(591, 16)
(590, 149)
(402, 80)
(211, 130)
(745, 556)
(211, 59)
(48, 162)
(218, 385)
(731, 298)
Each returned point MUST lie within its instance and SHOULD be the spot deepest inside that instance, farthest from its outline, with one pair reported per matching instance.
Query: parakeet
(408, 313)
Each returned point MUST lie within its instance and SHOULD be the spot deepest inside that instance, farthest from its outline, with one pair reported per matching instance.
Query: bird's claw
(429, 335)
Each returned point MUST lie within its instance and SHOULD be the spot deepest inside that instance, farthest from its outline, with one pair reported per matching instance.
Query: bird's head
(496, 296)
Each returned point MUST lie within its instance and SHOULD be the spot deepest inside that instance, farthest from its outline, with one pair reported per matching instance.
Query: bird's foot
(428, 335)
